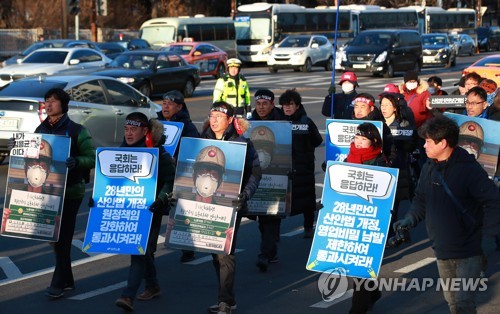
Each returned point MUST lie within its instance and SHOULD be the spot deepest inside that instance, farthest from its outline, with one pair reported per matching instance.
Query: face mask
(432, 90)
(470, 150)
(411, 86)
(264, 158)
(491, 97)
(36, 176)
(347, 87)
(206, 185)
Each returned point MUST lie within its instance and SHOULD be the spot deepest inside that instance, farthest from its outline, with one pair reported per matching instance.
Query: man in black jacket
(461, 208)
(342, 102)
(174, 109)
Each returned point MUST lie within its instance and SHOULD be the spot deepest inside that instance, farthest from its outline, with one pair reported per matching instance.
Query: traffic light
(102, 7)
(73, 7)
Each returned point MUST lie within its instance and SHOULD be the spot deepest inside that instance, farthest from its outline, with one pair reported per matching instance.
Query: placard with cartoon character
(207, 179)
(352, 226)
(36, 183)
(481, 138)
(273, 142)
(124, 188)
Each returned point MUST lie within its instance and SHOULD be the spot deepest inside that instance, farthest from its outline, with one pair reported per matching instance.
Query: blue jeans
(460, 301)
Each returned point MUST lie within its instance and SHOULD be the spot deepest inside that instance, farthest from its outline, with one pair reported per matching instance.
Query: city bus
(260, 26)
(451, 21)
(218, 31)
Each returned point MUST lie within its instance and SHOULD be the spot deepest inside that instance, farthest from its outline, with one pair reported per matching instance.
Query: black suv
(383, 52)
(488, 38)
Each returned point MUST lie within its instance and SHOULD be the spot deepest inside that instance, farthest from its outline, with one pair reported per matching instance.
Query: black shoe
(54, 293)
(125, 303)
(187, 256)
(69, 287)
(262, 264)
(273, 259)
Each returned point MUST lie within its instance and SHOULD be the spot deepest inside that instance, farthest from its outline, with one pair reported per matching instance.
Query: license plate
(359, 66)
(428, 59)
(11, 124)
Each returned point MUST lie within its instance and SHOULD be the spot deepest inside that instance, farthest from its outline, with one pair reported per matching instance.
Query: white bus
(260, 26)
(451, 21)
(218, 31)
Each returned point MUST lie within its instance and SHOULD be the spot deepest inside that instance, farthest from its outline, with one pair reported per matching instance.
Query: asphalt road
(26, 266)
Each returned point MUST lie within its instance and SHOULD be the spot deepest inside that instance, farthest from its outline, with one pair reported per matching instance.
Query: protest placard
(273, 142)
(208, 178)
(36, 183)
(352, 226)
(124, 188)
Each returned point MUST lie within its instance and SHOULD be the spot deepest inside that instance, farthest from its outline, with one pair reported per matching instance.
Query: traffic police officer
(233, 89)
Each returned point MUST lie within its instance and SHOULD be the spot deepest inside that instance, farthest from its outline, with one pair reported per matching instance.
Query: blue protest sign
(352, 227)
(124, 188)
(172, 131)
(36, 183)
(340, 134)
(207, 179)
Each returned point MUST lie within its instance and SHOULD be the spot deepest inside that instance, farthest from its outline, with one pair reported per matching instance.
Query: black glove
(323, 166)
(403, 223)
(172, 202)
(71, 163)
(11, 143)
(319, 205)
(91, 202)
(331, 89)
(240, 202)
(157, 206)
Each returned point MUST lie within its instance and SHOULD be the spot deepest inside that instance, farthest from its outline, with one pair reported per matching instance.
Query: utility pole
(93, 22)
(479, 16)
(64, 17)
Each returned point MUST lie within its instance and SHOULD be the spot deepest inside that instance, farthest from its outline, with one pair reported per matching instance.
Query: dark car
(154, 72)
(99, 103)
(438, 51)
(463, 44)
(111, 49)
(383, 51)
(488, 38)
(53, 43)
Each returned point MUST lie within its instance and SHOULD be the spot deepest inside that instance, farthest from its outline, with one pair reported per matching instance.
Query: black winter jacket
(454, 235)
(276, 114)
(342, 105)
(305, 139)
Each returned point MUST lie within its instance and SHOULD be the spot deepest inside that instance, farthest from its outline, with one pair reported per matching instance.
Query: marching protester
(269, 225)
(343, 107)
(224, 126)
(233, 89)
(366, 149)
(174, 109)
(137, 129)
(79, 163)
(305, 139)
(454, 191)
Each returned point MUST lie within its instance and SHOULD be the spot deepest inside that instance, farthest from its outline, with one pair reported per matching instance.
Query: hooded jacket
(252, 172)
(416, 101)
(454, 234)
(82, 148)
(305, 139)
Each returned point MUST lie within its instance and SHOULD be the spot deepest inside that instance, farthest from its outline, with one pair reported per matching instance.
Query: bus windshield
(158, 35)
(252, 30)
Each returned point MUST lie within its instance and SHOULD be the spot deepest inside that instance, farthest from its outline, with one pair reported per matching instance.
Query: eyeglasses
(216, 118)
(474, 103)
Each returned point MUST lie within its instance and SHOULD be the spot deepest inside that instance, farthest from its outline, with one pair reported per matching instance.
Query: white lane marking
(207, 258)
(9, 268)
(325, 305)
(417, 265)
(292, 233)
(99, 291)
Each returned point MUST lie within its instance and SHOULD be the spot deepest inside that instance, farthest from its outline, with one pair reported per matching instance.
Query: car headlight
(267, 50)
(381, 57)
(126, 80)
(299, 53)
(441, 50)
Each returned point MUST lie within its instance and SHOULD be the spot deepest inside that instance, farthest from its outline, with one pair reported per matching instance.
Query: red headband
(364, 100)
